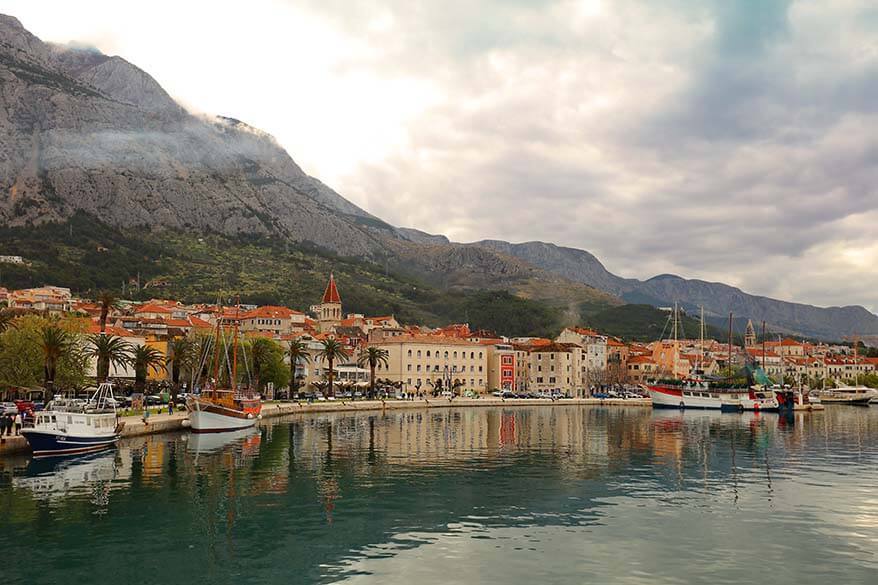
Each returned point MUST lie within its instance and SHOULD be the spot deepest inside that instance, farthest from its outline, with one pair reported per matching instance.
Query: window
(419, 354)
(472, 369)
(446, 355)
(455, 355)
(480, 382)
(409, 381)
(472, 382)
(409, 368)
(551, 356)
(410, 353)
(480, 355)
(480, 368)
(471, 355)
(539, 379)
(428, 353)
(551, 379)
(419, 367)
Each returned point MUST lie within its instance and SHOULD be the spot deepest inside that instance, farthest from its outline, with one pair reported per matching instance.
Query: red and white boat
(692, 394)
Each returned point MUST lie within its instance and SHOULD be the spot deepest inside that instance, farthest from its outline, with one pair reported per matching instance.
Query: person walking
(8, 423)
(17, 421)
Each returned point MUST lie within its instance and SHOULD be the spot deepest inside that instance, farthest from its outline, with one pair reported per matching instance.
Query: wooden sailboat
(223, 408)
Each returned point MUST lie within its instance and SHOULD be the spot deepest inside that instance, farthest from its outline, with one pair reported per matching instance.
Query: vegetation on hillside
(647, 323)
(89, 256)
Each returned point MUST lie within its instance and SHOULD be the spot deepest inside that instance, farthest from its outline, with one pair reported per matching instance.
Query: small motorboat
(72, 427)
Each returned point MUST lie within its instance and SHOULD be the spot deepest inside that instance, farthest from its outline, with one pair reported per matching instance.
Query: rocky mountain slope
(84, 132)
(718, 299)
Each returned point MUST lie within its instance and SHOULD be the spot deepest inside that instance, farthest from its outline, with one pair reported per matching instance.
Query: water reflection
(554, 494)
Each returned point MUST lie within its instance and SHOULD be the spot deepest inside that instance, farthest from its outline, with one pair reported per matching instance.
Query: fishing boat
(72, 427)
(217, 408)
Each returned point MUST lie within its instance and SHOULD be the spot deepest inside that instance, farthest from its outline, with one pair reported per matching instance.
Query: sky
(731, 141)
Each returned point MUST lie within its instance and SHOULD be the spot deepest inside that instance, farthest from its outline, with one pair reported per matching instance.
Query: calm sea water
(518, 495)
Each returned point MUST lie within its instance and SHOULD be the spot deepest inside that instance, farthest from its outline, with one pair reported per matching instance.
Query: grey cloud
(737, 143)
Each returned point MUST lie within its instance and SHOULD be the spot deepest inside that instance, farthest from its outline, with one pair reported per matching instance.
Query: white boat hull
(201, 421)
(662, 398)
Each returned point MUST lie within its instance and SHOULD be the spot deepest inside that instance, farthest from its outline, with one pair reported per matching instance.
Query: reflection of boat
(50, 478)
(211, 442)
(850, 395)
(70, 427)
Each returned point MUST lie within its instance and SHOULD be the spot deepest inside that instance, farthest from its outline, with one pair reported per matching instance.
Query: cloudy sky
(725, 140)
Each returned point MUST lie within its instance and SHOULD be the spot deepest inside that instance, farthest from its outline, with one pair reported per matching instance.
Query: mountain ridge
(85, 132)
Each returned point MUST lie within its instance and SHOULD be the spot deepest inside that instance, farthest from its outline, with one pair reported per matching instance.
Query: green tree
(7, 320)
(107, 301)
(264, 357)
(108, 350)
(297, 352)
(143, 358)
(332, 351)
(373, 356)
(181, 357)
(56, 344)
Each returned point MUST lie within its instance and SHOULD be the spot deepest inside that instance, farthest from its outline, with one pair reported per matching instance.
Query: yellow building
(421, 362)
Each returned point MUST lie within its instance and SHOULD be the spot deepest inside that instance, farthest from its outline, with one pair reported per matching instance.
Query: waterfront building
(642, 368)
(595, 352)
(556, 367)
(273, 320)
(501, 366)
(420, 362)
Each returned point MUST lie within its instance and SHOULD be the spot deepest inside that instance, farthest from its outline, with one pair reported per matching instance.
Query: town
(287, 352)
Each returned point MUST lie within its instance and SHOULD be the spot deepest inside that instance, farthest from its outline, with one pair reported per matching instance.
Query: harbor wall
(165, 423)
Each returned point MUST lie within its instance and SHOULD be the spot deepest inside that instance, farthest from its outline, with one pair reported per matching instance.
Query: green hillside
(646, 323)
(87, 255)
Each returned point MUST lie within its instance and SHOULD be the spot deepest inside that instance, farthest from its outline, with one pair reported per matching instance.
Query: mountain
(718, 299)
(83, 134)
(87, 133)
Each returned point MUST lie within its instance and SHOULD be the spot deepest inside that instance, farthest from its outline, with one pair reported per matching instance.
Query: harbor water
(550, 494)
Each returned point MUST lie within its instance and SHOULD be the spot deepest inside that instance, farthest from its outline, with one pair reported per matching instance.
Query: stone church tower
(328, 312)
(750, 335)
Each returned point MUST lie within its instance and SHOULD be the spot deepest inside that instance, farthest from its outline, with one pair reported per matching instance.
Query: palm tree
(108, 350)
(7, 320)
(261, 352)
(373, 356)
(108, 301)
(181, 355)
(332, 351)
(143, 358)
(56, 344)
(298, 354)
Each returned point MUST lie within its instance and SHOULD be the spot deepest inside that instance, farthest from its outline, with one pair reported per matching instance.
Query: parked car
(152, 400)
(8, 408)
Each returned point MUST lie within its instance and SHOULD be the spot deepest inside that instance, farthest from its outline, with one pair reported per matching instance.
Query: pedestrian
(17, 422)
(146, 415)
(8, 425)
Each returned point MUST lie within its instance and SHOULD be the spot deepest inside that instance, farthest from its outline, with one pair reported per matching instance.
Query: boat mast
(676, 350)
(701, 344)
(216, 349)
(729, 364)
(234, 383)
(763, 351)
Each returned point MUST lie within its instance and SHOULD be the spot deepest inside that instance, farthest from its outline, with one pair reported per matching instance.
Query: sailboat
(223, 408)
(691, 392)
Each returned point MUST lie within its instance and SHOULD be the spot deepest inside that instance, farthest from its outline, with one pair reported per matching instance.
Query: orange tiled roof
(270, 311)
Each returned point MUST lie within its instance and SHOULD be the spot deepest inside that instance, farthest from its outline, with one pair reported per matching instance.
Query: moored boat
(72, 427)
(216, 411)
(692, 394)
(220, 409)
(757, 399)
(849, 395)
